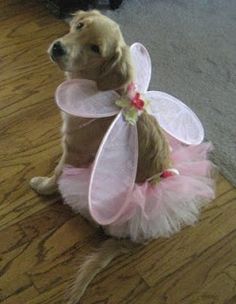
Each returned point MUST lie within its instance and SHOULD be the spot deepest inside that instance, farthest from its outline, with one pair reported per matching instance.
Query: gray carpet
(193, 48)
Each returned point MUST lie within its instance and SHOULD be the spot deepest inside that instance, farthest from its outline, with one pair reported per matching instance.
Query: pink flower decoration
(138, 102)
(169, 173)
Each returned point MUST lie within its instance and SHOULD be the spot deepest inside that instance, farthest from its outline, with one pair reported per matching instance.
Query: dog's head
(94, 49)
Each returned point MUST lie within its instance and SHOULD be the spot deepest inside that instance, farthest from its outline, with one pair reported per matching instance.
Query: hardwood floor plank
(22, 296)
(55, 295)
(43, 249)
(19, 204)
(26, 84)
(59, 257)
(207, 278)
(12, 238)
(50, 219)
(13, 277)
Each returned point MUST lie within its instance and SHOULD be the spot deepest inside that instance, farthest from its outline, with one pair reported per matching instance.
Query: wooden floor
(41, 241)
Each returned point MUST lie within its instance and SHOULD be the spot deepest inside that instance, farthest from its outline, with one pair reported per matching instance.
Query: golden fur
(111, 68)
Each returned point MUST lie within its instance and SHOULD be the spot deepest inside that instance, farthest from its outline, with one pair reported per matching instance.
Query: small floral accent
(169, 173)
(132, 105)
(138, 102)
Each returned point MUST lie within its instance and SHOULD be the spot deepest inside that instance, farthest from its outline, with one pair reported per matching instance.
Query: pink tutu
(153, 211)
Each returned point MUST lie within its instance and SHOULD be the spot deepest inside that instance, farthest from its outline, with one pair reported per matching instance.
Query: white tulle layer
(154, 211)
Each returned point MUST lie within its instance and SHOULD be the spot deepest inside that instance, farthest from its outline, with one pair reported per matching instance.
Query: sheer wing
(175, 117)
(142, 66)
(114, 172)
(82, 98)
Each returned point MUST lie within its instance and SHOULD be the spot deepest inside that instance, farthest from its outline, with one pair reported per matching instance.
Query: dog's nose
(58, 50)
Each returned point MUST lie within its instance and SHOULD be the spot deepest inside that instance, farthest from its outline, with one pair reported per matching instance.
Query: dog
(95, 49)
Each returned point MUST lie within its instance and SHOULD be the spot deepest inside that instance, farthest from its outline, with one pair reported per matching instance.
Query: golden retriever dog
(95, 49)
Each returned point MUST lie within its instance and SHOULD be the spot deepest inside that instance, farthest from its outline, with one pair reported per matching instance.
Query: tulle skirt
(155, 210)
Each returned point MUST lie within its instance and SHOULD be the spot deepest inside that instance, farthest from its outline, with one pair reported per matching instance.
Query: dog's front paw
(44, 185)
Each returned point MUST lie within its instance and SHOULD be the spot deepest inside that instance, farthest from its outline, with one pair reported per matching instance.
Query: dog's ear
(117, 71)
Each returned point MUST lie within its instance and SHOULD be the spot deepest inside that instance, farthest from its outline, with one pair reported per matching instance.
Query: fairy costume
(106, 191)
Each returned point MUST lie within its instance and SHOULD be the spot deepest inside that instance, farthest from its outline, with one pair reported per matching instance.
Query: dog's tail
(97, 261)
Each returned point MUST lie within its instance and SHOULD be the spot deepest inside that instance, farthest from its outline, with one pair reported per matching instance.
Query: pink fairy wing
(175, 117)
(114, 173)
(142, 66)
(80, 97)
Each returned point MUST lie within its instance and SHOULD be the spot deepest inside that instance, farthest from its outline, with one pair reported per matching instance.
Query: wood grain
(42, 243)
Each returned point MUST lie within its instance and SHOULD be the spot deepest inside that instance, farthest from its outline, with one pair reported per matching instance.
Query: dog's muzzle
(57, 50)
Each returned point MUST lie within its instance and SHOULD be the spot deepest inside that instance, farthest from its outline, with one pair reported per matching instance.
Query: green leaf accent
(129, 111)
(131, 116)
(123, 103)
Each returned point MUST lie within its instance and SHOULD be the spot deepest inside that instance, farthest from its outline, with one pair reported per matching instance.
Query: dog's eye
(79, 26)
(95, 48)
